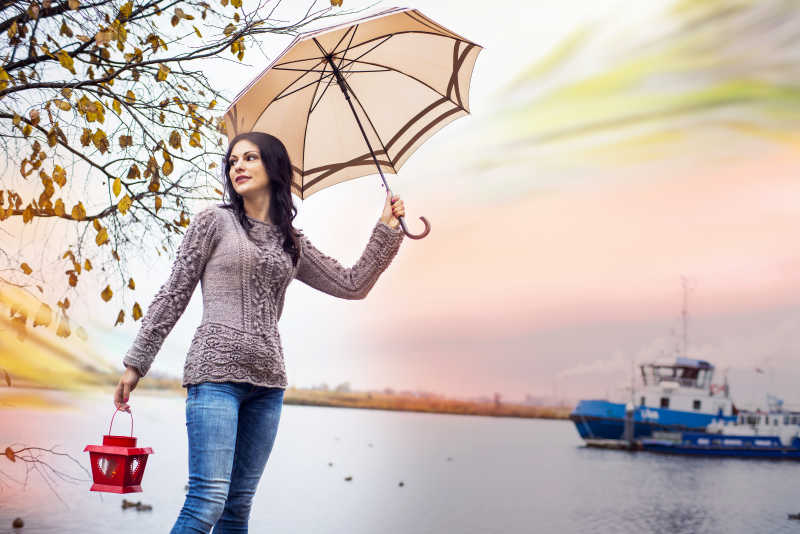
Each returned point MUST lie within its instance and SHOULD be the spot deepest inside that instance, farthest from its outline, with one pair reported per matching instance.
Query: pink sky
(575, 271)
(610, 252)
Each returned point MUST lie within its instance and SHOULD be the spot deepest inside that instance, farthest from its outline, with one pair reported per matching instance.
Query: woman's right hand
(127, 383)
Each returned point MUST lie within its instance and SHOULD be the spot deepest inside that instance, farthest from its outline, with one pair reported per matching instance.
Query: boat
(677, 396)
(774, 434)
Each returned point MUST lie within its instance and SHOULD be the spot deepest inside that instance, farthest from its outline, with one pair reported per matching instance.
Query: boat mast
(685, 314)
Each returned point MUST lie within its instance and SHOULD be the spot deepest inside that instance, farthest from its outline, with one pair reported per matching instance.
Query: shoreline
(37, 397)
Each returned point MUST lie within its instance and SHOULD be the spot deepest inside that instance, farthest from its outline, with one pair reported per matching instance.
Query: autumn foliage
(111, 126)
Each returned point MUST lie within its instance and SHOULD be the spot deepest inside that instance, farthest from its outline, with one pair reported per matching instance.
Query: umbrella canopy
(406, 76)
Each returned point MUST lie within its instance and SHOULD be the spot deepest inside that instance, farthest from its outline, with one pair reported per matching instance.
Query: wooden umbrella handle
(417, 236)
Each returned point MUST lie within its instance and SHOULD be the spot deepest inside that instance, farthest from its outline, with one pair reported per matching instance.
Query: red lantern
(117, 464)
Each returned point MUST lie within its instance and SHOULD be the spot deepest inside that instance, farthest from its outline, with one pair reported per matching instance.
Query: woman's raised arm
(326, 274)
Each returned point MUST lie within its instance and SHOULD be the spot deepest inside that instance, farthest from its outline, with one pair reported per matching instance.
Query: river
(460, 474)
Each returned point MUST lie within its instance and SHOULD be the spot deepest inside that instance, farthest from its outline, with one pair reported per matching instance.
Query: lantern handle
(112, 421)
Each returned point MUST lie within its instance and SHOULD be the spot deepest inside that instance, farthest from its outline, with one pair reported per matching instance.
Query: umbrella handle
(418, 236)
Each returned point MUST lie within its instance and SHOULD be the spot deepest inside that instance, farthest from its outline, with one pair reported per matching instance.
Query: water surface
(461, 474)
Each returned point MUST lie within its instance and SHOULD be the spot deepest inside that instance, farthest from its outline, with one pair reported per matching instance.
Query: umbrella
(368, 92)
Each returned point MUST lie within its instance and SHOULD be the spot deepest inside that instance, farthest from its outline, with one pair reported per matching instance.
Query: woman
(245, 252)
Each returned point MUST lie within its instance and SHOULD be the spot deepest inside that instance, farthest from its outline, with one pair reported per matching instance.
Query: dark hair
(282, 211)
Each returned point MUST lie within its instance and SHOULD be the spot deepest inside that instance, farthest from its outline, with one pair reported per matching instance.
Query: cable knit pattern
(326, 274)
(244, 283)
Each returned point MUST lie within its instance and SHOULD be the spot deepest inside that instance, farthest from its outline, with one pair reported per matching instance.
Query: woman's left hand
(392, 210)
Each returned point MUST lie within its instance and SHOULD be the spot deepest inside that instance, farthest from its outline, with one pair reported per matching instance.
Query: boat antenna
(685, 313)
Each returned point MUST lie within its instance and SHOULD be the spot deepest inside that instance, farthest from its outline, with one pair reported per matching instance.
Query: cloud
(616, 364)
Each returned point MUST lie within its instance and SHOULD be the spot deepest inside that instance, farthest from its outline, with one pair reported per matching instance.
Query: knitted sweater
(244, 283)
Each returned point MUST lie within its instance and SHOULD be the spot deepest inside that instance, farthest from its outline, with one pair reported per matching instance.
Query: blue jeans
(231, 429)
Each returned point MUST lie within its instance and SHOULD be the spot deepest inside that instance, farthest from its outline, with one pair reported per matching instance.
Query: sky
(564, 217)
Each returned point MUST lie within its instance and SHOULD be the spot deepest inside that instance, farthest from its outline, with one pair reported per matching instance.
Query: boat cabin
(685, 372)
(684, 385)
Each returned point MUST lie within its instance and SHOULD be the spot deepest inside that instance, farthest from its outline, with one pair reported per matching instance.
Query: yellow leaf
(158, 204)
(87, 265)
(81, 332)
(106, 294)
(229, 29)
(120, 318)
(4, 79)
(116, 107)
(86, 137)
(63, 105)
(73, 278)
(102, 237)
(73, 4)
(163, 70)
(197, 32)
(59, 208)
(65, 30)
(59, 175)
(212, 165)
(134, 172)
(78, 212)
(167, 167)
(66, 61)
(220, 193)
(122, 36)
(130, 98)
(26, 268)
(117, 187)
(27, 215)
(66, 92)
(137, 311)
(236, 3)
(337, 3)
(175, 139)
(212, 104)
(126, 9)
(12, 30)
(96, 224)
(103, 37)
(63, 328)
(43, 315)
(9, 452)
(194, 139)
(100, 140)
(124, 204)
(131, 284)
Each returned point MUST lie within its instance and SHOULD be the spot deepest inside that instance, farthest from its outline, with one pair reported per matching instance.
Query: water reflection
(460, 474)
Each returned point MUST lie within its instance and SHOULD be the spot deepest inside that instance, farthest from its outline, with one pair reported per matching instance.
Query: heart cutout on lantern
(107, 467)
(134, 465)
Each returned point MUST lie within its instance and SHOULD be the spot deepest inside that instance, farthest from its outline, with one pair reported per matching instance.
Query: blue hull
(702, 444)
(600, 419)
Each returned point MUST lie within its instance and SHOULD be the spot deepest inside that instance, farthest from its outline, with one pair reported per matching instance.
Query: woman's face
(247, 171)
